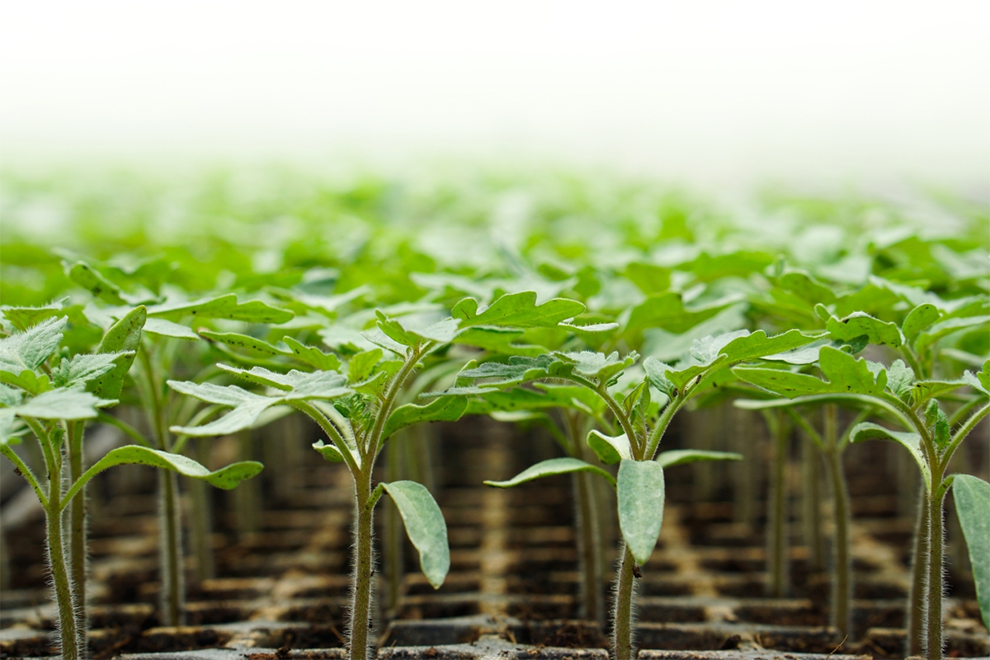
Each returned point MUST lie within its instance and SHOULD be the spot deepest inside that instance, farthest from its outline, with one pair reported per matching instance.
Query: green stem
(171, 549)
(777, 515)
(917, 603)
(811, 497)
(363, 563)
(69, 633)
(936, 586)
(622, 617)
(201, 530)
(841, 547)
(77, 516)
(589, 550)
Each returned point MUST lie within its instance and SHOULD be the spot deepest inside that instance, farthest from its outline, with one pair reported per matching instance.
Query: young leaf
(250, 345)
(972, 497)
(425, 527)
(89, 278)
(681, 456)
(124, 338)
(516, 310)
(900, 377)
(549, 468)
(918, 319)
(656, 373)
(444, 409)
(640, 490)
(910, 441)
(26, 351)
(82, 368)
(166, 328)
(24, 317)
(609, 449)
(936, 332)
(312, 356)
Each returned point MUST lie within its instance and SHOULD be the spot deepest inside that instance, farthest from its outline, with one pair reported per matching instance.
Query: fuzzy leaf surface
(123, 338)
(972, 496)
(26, 351)
(640, 489)
(425, 527)
(681, 456)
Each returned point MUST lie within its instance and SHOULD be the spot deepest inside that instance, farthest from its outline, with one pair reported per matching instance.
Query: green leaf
(517, 370)
(656, 373)
(910, 441)
(425, 527)
(63, 403)
(329, 452)
(222, 307)
(89, 278)
(414, 330)
(516, 310)
(858, 324)
(782, 382)
(26, 351)
(225, 478)
(124, 338)
(250, 345)
(667, 312)
(24, 317)
(552, 467)
(598, 365)
(900, 377)
(981, 381)
(939, 330)
(681, 456)
(972, 496)
(165, 328)
(361, 364)
(312, 356)
(609, 449)
(640, 490)
(918, 319)
(83, 368)
(9, 396)
(444, 409)
(923, 390)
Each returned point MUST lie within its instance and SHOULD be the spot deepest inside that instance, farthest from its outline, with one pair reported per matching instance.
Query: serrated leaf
(609, 449)
(361, 364)
(68, 404)
(25, 317)
(83, 368)
(222, 307)
(900, 377)
(640, 488)
(681, 456)
(598, 365)
(225, 478)
(9, 396)
(425, 527)
(123, 338)
(516, 310)
(26, 351)
(918, 319)
(972, 496)
(549, 468)
(666, 311)
(859, 324)
(444, 409)
(981, 381)
(910, 441)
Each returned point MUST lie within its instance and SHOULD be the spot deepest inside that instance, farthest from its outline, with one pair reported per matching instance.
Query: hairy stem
(936, 586)
(917, 602)
(77, 517)
(589, 549)
(363, 563)
(69, 633)
(622, 616)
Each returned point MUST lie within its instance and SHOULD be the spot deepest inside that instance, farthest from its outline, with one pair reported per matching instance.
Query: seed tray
(281, 591)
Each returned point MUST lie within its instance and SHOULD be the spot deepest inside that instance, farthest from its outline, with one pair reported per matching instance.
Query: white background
(693, 90)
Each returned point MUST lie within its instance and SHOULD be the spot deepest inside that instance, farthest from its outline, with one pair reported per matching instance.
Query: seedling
(52, 401)
(639, 484)
(355, 402)
(913, 402)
